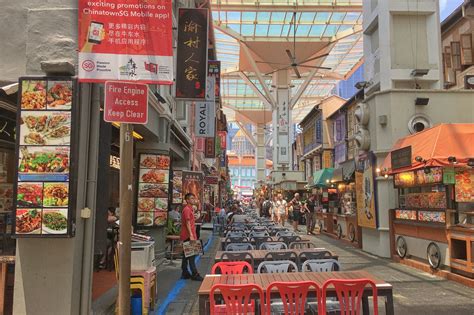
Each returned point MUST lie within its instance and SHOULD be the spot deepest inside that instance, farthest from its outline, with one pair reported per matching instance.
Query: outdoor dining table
(264, 279)
(274, 239)
(259, 255)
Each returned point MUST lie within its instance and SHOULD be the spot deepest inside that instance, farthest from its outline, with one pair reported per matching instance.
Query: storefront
(434, 175)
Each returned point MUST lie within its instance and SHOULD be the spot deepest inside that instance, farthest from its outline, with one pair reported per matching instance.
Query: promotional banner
(191, 72)
(214, 70)
(283, 114)
(210, 148)
(205, 120)
(126, 102)
(193, 182)
(365, 196)
(47, 132)
(126, 40)
(223, 136)
(153, 189)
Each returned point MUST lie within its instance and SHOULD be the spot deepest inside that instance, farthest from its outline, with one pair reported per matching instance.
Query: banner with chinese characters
(223, 136)
(214, 70)
(153, 189)
(126, 40)
(205, 119)
(365, 196)
(191, 71)
(193, 182)
(283, 115)
(46, 152)
(210, 148)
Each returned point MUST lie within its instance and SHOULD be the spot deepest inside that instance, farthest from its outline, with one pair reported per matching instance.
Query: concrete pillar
(281, 120)
(260, 153)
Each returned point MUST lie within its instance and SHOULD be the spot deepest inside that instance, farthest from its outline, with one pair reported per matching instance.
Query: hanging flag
(205, 120)
(191, 72)
(126, 40)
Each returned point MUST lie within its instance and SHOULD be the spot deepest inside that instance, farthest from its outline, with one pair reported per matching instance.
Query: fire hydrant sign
(126, 102)
(126, 40)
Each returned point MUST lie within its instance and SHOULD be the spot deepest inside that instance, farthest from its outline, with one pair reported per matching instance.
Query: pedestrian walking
(310, 211)
(297, 206)
(188, 233)
(281, 209)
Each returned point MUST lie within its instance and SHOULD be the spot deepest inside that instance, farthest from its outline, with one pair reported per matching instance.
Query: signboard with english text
(205, 119)
(126, 102)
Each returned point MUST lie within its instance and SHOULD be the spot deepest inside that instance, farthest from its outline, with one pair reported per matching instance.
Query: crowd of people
(281, 210)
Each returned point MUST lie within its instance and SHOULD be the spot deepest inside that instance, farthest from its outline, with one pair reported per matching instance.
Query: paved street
(415, 292)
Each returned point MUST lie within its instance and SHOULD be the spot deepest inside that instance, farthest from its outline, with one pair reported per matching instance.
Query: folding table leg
(389, 310)
(365, 305)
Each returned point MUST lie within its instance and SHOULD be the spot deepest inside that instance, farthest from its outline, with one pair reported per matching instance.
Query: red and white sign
(126, 40)
(126, 102)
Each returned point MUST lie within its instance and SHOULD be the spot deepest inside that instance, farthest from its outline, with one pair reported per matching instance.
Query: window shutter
(456, 55)
(466, 49)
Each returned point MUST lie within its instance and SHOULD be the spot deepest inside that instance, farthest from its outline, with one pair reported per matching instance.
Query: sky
(448, 6)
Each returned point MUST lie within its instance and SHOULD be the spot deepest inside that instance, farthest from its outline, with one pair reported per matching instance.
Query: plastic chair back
(273, 245)
(323, 254)
(236, 234)
(302, 245)
(259, 240)
(277, 266)
(259, 234)
(285, 233)
(238, 256)
(231, 267)
(289, 239)
(238, 247)
(321, 265)
(277, 255)
(349, 294)
(237, 299)
(293, 296)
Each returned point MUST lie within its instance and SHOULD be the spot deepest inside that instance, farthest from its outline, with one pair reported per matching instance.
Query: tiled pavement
(415, 292)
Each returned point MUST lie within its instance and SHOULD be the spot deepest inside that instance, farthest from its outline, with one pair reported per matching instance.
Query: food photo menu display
(153, 190)
(43, 186)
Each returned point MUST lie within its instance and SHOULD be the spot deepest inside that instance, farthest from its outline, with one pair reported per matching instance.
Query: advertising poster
(126, 40)
(43, 190)
(205, 120)
(177, 187)
(464, 188)
(193, 182)
(153, 189)
(365, 196)
(214, 70)
(191, 71)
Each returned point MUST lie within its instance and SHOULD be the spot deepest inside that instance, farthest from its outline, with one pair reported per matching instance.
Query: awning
(348, 169)
(322, 177)
(435, 146)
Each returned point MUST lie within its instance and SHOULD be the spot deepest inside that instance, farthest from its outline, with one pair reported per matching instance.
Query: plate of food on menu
(154, 176)
(54, 221)
(28, 221)
(146, 204)
(160, 218)
(45, 128)
(145, 218)
(59, 95)
(56, 194)
(43, 160)
(148, 161)
(30, 194)
(153, 190)
(33, 95)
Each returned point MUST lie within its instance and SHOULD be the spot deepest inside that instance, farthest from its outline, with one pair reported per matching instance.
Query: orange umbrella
(436, 145)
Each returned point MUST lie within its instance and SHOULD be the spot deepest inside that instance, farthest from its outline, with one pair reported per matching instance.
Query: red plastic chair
(237, 299)
(293, 296)
(349, 294)
(232, 267)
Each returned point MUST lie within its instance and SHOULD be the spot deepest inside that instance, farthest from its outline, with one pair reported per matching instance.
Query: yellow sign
(365, 197)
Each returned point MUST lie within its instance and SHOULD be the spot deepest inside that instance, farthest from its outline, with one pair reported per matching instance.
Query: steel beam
(247, 134)
(224, 5)
(255, 89)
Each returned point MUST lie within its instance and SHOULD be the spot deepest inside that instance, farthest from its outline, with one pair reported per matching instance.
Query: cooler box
(143, 255)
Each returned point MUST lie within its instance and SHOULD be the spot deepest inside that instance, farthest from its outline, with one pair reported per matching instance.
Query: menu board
(464, 185)
(177, 187)
(419, 177)
(432, 200)
(43, 205)
(153, 189)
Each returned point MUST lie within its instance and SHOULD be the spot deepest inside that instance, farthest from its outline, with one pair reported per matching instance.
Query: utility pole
(126, 176)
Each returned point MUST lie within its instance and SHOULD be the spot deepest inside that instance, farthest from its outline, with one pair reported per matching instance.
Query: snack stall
(433, 221)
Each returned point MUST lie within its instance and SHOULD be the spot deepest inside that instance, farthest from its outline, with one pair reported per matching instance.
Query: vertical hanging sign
(214, 70)
(283, 120)
(205, 119)
(126, 40)
(191, 72)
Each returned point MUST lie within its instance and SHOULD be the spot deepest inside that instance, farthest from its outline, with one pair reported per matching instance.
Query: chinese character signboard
(214, 70)
(191, 72)
(126, 102)
(223, 136)
(210, 148)
(283, 114)
(193, 182)
(205, 120)
(126, 40)
(153, 188)
(46, 152)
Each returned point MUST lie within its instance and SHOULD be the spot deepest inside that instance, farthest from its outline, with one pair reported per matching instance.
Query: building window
(456, 55)
(466, 49)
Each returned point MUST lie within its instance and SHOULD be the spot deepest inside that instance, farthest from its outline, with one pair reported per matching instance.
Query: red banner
(126, 40)
(126, 102)
(223, 136)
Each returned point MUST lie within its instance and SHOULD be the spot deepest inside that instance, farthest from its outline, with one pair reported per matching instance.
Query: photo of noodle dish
(145, 218)
(56, 194)
(28, 221)
(45, 128)
(59, 95)
(54, 221)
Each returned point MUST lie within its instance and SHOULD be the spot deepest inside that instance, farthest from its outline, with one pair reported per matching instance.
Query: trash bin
(136, 304)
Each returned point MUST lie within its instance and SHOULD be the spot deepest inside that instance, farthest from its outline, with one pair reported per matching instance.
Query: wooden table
(259, 255)
(264, 279)
(274, 239)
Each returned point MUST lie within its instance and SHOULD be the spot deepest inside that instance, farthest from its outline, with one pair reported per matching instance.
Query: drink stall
(433, 222)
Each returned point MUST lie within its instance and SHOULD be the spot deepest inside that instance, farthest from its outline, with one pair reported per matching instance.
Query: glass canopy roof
(272, 20)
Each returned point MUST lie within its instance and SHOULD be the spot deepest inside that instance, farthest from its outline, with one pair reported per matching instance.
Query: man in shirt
(310, 214)
(188, 233)
(297, 205)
